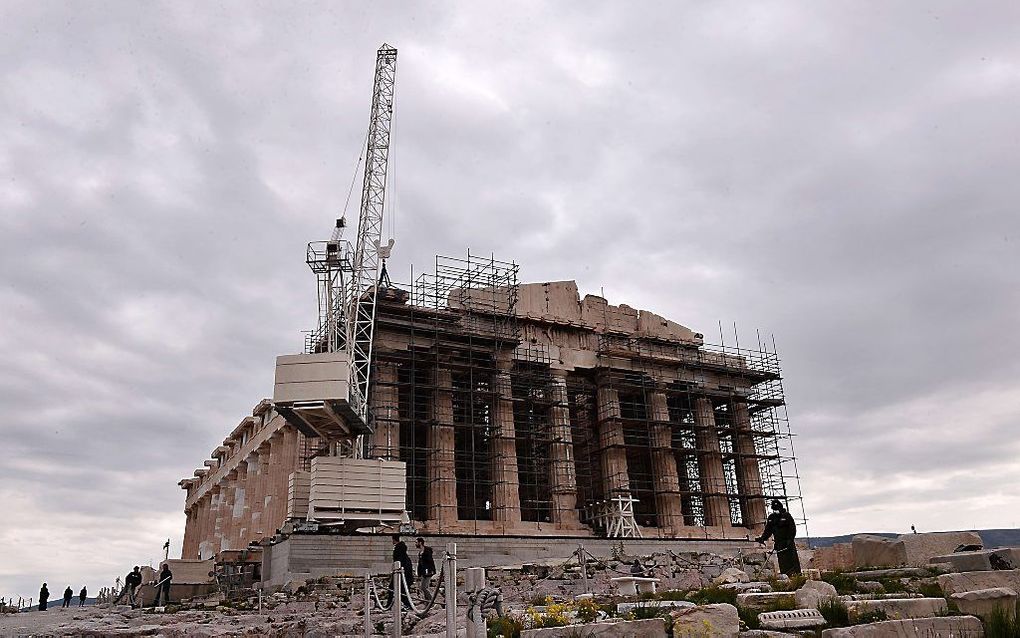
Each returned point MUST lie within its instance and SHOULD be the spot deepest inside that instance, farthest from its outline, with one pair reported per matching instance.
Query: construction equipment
(324, 393)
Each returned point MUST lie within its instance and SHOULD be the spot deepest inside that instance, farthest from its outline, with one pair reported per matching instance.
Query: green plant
(1003, 623)
(672, 594)
(835, 612)
(749, 617)
(844, 583)
(539, 600)
(712, 595)
(892, 585)
(931, 590)
(505, 627)
(587, 610)
(794, 583)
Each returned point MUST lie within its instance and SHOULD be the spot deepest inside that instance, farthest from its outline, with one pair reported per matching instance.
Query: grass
(713, 595)
(505, 627)
(877, 615)
(931, 590)
(835, 612)
(1003, 623)
(892, 585)
(844, 583)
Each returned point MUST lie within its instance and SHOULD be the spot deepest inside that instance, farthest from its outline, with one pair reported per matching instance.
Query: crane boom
(361, 295)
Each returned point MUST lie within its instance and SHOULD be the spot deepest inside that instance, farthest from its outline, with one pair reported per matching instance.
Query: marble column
(666, 481)
(612, 455)
(562, 474)
(385, 441)
(713, 481)
(441, 469)
(752, 502)
(506, 496)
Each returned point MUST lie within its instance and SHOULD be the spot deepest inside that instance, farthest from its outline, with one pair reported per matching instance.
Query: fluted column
(612, 456)
(666, 482)
(442, 487)
(189, 546)
(506, 496)
(752, 502)
(385, 442)
(562, 475)
(713, 481)
(242, 504)
(227, 526)
(218, 497)
(260, 458)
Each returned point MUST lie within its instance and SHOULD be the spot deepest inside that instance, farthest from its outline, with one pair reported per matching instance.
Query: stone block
(903, 572)
(807, 598)
(706, 620)
(877, 551)
(870, 586)
(920, 548)
(731, 575)
(622, 608)
(973, 581)
(754, 586)
(899, 608)
(981, 560)
(955, 626)
(650, 628)
(796, 619)
(823, 588)
(761, 600)
(765, 633)
(982, 602)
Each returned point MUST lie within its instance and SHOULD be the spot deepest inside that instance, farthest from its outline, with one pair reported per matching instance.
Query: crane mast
(368, 251)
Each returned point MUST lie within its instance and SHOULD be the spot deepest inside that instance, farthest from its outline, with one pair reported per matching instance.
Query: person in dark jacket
(68, 595)
(637, 569)
(783, 529)
(131, 583)
(44, 595)
(163, 582)
(426, 567)
(400, 556)
(82, 595)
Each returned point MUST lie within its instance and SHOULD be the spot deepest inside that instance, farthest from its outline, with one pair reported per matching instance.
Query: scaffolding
(657, 437)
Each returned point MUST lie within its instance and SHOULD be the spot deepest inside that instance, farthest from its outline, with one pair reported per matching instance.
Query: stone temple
(518, 418)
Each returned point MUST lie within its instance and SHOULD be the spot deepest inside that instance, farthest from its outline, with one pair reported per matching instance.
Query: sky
(841, 175)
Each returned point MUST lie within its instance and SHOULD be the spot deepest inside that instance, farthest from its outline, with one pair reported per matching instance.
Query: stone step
(899, 607)
(955, 626)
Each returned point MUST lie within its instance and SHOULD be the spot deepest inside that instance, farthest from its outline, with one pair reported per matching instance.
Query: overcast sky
(843, 175)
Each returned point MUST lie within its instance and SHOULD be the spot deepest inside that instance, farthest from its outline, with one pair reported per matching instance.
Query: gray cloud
(841, 175)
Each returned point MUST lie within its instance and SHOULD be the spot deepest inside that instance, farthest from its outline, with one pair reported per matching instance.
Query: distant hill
(990, 537)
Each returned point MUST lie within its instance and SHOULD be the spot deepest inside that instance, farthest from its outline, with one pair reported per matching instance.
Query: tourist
(68, 595)
(783, 529)
(82, 595)
(426, 567)
(44, 595)
(400, 556)
(637, 569)
(163, 582)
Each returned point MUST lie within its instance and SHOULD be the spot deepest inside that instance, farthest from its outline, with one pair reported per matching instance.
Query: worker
(82, 595)
(44, 595)
(68, 595)
(426, 567)
(783, 529)
(163, 581)
(131, 583)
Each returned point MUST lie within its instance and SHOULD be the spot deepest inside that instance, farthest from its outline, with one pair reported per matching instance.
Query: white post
(398, 573)
(368, 606)
(584, 567)
(451, 590)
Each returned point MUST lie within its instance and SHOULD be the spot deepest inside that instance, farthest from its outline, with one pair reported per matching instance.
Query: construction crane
(348, 279)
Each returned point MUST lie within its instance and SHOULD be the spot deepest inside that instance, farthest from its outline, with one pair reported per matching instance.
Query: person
(426, 567)
(783, 529)
(82, 595)
(68, 595)
(400, 556)
(163, 581)
(131, 583)
(637, 569)
(44, 595)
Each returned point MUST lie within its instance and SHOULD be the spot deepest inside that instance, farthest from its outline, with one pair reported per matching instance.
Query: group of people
(426, 567)
(44, 597)
(134, 580)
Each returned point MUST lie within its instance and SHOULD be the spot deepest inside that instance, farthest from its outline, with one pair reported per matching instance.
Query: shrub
(892, 585)
(931, 590)
(877, 615)
(712, 595)
(505, 627)
(749, 617)
(587, 610)
(835, 612)
(844, 583)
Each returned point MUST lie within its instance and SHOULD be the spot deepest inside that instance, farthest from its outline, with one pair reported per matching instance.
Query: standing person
(783, 529)
(637, 569)
(68, 595)
(426, 567)
(44, 595)
(400, 556)
(163, 581)
(82, 595)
